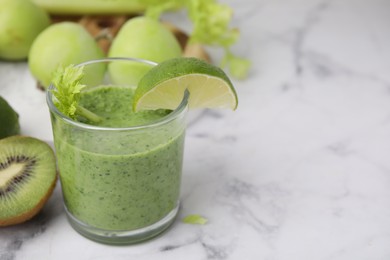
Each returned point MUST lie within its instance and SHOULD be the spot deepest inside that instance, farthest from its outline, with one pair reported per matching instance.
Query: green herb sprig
(67, 83)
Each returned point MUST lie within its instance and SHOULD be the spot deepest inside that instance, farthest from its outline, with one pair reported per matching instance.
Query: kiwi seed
(27, 178)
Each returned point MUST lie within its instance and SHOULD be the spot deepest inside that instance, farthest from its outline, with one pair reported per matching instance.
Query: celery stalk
(82, 7)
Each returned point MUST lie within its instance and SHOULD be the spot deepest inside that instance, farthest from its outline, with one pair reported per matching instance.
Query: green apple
(20, 23)
(63, 44)
(142, 38)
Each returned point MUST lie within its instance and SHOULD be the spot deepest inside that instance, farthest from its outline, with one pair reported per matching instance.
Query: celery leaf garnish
(67, 83)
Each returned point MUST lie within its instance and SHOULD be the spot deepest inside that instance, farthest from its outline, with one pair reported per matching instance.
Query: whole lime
(20, 23)
(9, 120)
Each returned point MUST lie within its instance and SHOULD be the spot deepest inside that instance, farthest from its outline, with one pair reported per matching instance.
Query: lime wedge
(163, 86)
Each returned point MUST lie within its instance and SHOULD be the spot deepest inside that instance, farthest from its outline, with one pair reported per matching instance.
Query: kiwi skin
(30, 214)
(30, 207)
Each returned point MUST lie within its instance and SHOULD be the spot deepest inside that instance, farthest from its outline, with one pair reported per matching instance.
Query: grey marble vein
(14, 237)
(300, 34)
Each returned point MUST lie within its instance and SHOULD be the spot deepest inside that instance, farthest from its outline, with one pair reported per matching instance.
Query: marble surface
(300, 171)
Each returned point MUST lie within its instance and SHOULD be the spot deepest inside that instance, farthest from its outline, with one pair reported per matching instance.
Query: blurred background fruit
(142, 38)
(20, 22)
(63, 44)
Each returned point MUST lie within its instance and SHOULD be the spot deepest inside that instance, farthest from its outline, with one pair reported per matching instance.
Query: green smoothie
(116, 179)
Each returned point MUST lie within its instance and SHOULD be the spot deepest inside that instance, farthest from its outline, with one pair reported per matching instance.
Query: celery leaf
(67, 83)
(194, 219)
(238, 67)
(211, 27)
(211, 23)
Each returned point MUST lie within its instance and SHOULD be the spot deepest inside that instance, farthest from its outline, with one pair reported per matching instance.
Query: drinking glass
(120, 185)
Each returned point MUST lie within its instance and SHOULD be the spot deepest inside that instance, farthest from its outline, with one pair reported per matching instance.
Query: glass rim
(164, 120)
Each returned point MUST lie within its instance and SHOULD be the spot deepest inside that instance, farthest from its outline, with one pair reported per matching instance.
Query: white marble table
(300, 171)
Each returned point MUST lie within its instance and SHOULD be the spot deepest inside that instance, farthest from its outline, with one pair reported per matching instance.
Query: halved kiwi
(27, 178)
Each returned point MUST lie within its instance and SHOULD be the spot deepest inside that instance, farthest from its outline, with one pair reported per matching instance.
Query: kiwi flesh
(9, 120)
(27, 178)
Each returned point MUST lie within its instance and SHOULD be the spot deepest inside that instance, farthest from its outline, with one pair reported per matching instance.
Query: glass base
(122, 237)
